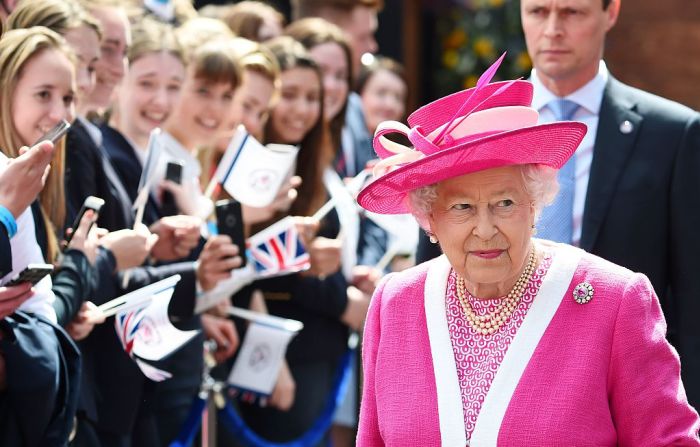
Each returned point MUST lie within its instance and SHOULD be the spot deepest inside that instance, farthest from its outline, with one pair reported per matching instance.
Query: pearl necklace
(492, 322)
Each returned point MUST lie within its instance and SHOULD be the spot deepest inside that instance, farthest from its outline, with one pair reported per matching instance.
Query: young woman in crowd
(382, 86)
(251, 105)
(195, 121)
(317, 298)
(146, 98)
(37, 69)
(328, 46)
(82, 33)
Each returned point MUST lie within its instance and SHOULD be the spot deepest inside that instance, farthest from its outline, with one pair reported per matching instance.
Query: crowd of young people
(119, 73)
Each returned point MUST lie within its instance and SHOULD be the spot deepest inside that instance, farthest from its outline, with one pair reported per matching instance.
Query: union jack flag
(127, 325)
(277, 250)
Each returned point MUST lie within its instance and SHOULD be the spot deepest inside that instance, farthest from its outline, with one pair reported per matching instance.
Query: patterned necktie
(557, 221)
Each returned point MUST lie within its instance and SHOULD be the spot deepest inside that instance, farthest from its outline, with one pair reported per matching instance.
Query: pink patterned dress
(477, 356)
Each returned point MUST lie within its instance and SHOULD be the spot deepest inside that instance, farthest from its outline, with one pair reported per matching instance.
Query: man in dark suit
(636, 184)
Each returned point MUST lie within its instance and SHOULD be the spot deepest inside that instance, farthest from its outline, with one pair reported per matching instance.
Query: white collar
(450, 408)
(93, 131)
(589, 96)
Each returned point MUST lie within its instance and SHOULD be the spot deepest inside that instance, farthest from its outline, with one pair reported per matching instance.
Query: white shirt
(589, 98)
(25, 251)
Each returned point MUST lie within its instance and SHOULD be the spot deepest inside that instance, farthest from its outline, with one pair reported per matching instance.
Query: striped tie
(557, 221)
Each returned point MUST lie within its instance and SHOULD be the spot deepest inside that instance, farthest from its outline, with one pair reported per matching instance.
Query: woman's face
(383, 98)
(86, 45)
(484, 224)
(44, 95)
(299, 106)
(251, 102)
(201, 112)
(148, 94)
(334, 68)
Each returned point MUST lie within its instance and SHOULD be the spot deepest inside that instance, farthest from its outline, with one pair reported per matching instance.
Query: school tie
(557, 221)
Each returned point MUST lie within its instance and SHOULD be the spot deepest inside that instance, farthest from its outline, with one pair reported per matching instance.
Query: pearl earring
(433, 239)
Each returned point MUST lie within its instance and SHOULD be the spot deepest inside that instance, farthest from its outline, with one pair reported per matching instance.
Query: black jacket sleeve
(5, 252)
(75, 282)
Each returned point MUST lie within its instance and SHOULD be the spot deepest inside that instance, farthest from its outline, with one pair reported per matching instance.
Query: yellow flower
(523, 61)
(455, 39)
(483, 47)
(470, 81)
(496, 3)
(450, 59)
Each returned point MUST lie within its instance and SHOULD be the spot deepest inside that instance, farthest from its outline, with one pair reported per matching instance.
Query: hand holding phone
(90, 203)
(56, 133)
(173, 172)
(33, 273)
(230, 222)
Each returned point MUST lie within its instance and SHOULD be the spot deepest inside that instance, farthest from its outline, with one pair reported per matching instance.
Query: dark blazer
(642, 207)
(89, 173)
(372, 242)
(362, 140)
(128, 168)
(42, 370)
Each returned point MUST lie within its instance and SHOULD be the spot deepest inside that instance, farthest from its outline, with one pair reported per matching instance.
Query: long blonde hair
(58, 15)
(17, 47)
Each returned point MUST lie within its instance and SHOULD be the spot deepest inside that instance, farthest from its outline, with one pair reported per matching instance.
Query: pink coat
(595, 374)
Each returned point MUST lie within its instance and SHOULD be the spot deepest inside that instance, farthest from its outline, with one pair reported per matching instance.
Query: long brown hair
(17, 47)
(315, 31)
(315, 153)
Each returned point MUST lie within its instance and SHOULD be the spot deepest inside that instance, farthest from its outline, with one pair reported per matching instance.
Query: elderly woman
(506, 339)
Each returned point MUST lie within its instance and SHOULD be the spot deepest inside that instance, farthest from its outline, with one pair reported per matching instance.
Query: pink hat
(488, 126)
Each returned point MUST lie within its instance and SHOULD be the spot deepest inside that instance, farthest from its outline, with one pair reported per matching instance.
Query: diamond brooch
(583, 293)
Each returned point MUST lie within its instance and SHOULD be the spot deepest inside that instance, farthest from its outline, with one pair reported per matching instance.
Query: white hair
(540, 183)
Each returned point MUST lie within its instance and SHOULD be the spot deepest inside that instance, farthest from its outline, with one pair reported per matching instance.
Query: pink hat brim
(548, 144)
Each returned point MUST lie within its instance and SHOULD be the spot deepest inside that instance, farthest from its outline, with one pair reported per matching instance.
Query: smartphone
(33, 274)
(90, 203)
(56, 133)
(229, 221)
(173, 172)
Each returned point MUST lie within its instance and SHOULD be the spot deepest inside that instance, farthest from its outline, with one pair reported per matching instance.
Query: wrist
(8, 221)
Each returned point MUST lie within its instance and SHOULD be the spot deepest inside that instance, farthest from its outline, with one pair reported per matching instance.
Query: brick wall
(656, 46)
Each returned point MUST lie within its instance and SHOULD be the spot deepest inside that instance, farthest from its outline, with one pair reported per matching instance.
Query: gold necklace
(492, 322)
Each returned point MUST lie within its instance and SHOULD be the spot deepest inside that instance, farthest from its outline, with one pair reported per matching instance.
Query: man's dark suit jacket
(373, 240)
(642, 208)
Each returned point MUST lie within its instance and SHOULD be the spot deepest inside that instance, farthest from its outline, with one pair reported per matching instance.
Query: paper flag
(253, 173)
(260, 358)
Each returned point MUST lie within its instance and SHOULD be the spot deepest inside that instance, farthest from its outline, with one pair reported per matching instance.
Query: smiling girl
(199, 118)
(319, 297)
(147, 96)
